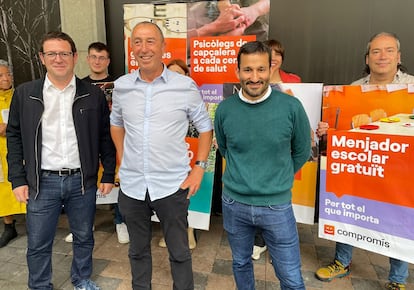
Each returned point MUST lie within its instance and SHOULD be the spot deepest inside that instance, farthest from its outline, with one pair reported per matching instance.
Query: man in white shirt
(58, 132)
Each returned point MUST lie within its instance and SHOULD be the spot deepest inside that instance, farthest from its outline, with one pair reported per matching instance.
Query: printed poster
(304, 186)
(366, 196)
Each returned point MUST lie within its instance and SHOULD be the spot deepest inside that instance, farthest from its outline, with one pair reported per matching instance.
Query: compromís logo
(329, 229)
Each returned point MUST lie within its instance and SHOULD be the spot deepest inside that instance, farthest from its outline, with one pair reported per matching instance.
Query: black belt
(63, 172)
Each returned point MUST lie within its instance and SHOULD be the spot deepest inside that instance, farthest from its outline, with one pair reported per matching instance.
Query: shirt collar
(396, 79)
(262, 99)
(163, 76)
(48, 84)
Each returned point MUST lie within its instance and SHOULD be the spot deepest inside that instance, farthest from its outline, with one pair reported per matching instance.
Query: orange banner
(371, 166)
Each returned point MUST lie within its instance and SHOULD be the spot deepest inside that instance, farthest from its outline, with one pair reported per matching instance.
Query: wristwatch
(202, 164)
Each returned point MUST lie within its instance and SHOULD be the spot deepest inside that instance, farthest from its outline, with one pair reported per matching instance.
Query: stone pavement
(211, 261)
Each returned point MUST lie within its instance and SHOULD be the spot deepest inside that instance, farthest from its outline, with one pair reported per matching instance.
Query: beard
(258, 90)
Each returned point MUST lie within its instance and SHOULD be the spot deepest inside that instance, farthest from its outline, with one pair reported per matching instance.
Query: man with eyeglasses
(57, 134)
(98, 60)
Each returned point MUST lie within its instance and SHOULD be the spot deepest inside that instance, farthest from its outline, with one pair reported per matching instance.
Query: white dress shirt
(59, 142)
(155, 117)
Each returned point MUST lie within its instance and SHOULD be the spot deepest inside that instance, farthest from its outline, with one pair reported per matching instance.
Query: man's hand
(105, 188)
(322, 129)
(22, 193)
(193, 181)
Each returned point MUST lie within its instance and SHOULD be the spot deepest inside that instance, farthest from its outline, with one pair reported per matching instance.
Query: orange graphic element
(372, 166)
(304, 185)
(329, 230)
(214, 59)
(192, 144)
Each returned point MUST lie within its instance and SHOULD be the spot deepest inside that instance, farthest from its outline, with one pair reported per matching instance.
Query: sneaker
(122, 232)
(87, 285)
(257, 251)
(69, 238)
(394, 286)
(334, 270)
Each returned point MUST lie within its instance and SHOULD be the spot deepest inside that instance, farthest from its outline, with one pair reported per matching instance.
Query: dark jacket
(24, 135)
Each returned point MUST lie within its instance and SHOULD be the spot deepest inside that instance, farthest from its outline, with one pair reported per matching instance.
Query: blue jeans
(118, 217)
(279, 231)
(398, 269)
(42, 218)
(172, 212)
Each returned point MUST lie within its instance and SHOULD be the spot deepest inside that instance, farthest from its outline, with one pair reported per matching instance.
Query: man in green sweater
(264, 135)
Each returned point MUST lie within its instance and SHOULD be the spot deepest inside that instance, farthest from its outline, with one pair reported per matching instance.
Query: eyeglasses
(173, 24)
(53, 54)
(99, 58)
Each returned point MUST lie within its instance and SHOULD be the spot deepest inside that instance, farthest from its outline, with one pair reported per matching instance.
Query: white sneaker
(257, 251)
(122, 232)
(69, 238)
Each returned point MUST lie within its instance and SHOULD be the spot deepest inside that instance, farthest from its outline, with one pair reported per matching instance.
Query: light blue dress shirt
(155, 117)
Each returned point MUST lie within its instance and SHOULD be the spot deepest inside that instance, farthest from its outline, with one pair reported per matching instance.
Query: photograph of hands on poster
(366, 195)
(216, 31)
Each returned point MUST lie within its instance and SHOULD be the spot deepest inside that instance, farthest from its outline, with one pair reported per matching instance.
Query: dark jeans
(42, 218)
(118, 217)
(172, 212)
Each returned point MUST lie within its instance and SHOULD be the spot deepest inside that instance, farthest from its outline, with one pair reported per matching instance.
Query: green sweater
(264, 144)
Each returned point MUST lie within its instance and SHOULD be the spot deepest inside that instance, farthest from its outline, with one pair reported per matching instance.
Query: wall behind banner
(22, 25)
(325, 40)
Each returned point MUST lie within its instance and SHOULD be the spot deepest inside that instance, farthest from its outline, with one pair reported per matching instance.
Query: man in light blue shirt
(150, 115)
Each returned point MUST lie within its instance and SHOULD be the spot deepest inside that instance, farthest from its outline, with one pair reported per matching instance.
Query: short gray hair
(393, 35)
(4, 63)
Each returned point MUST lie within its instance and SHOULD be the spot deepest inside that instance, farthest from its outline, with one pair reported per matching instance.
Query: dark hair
(57, 35)
(367, 70)
(99, 46)
(276, 46)
(150, 23)
(252, 48)
(181, 64)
